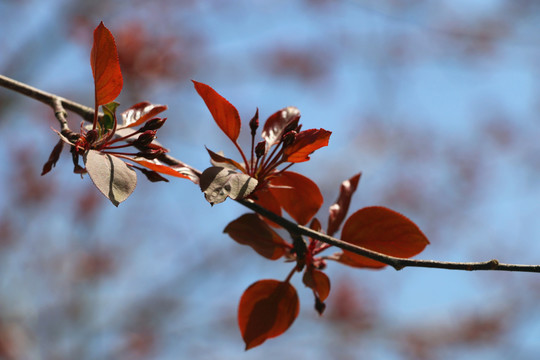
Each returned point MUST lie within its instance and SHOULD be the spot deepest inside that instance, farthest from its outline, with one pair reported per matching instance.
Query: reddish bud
(145, 138)
(152, 151)
(260, 149)
(288, 138)
(91, 136)
(153, 124)
(319, 305)
(254, 123)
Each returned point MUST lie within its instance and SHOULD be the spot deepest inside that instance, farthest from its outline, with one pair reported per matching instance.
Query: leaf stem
(291, 273)
(243, 157)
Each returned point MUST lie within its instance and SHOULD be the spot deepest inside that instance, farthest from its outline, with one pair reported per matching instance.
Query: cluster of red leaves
(260, 176)
(102, 146)
(269, 307)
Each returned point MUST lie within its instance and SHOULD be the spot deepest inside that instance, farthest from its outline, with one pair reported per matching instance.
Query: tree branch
(47, 98)
(59, 104)
(395, 262)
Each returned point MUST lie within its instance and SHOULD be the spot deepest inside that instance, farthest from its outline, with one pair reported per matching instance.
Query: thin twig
(59, 103)
(60, 114)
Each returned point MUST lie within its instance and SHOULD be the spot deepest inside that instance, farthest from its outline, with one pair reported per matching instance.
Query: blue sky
(411, 104)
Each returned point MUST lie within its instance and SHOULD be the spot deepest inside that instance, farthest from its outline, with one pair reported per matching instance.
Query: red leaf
(305, 143)
(318, 282)
(250, 230)
(297, 195)
(105, 66)
(223, 112)
(140, 113)
(266, 310)
(265, 199)
(156, 166)
(339, 209)
(382, 230)
(277, 122)
(53, 157)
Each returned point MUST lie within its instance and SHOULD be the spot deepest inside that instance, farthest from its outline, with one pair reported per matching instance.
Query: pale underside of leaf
(218, 183)
(113, 177)
(141, 112)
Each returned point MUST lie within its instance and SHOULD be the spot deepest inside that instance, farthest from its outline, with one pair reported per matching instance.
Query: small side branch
(60, 114)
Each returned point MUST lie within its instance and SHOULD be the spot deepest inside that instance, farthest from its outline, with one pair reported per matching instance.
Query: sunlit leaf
(113, 177)
(218, 183)
(156, 166)
(276, 124)
(339, 209)
(382, 230)
(105, 66)
(297, 195)
(140, 113)
(250, 230)
(305, 143)
(266, 310)
(223, 112)
(318, 281)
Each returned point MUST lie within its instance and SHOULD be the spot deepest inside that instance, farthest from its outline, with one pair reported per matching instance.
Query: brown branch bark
(58, 104)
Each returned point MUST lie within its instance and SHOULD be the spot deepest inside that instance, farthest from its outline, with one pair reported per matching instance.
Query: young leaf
(105, 66)
(317, 281)
(339, 209)
(266, 310)
(305, 143)
(218, 183)
(53, 157)
(111, 175)
(250, 230)
(223, 112)
(107, 121)
(297, 195)
(382, 230)
(140, 113)
(276, 124)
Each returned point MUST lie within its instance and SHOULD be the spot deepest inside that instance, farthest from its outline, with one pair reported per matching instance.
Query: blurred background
(436, 102)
